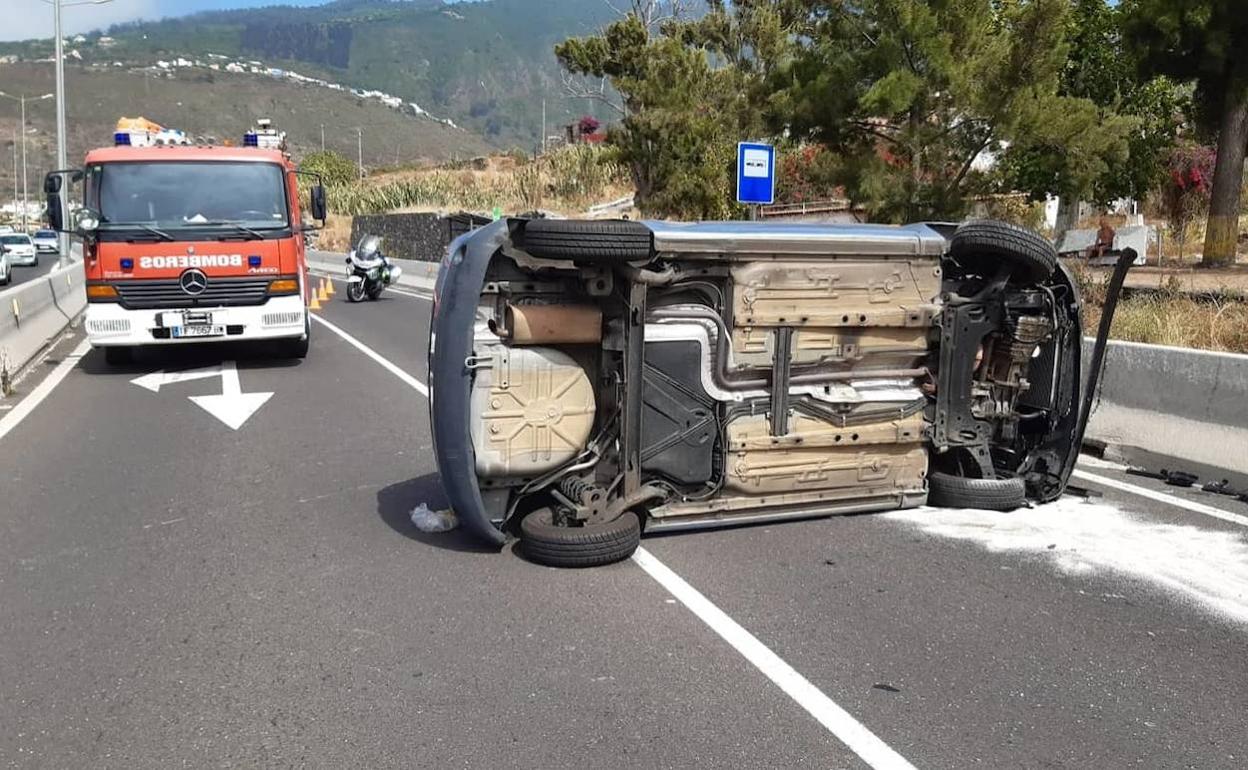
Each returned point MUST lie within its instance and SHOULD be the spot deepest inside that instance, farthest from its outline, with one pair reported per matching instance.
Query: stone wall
(422, 237)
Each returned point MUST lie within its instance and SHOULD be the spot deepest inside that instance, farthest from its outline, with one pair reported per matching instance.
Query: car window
(45, 233)
(16, 240)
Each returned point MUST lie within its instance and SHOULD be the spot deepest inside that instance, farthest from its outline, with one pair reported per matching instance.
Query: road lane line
(838, 721)
(43, 389)
(414, 383)
(1162, 497)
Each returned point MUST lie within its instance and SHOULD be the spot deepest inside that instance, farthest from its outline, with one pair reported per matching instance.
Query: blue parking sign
(756, 173)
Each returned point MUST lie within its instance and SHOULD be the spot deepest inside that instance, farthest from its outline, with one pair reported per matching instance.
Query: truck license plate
(201, 330)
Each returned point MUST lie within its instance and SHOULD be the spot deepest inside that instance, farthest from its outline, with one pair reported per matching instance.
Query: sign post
(756, 175)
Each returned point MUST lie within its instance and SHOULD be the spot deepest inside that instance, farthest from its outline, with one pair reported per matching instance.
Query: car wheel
(587, 241)
(984, 245)
(119, 356)
(592, 545)
(948, 491)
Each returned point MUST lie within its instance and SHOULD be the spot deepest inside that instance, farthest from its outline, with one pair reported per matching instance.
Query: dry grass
(1169, 316)
(336, 234)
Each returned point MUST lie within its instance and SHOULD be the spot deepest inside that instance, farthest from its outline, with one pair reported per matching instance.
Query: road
(23, 274)
(176, 592)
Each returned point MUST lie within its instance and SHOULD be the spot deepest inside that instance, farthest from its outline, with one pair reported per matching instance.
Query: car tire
(593, 545)
(119, 355)
(984, 245)
(948, 491)
(587, 241)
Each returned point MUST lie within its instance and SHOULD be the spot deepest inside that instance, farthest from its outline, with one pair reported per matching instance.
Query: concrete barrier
(32, 314)
(1175, 402)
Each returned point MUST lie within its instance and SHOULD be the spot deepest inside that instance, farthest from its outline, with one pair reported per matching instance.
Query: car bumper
(47, 248)
(24, 259)
(110, 325)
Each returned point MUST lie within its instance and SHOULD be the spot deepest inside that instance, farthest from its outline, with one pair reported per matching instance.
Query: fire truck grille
(220, 292)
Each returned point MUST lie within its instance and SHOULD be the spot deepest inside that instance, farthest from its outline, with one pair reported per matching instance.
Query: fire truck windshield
(188, 195)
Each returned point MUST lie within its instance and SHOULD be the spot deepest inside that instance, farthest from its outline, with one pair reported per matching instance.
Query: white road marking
(414, 383)
(232, 407)
(838, 721)
(848, 730)
(1162, 497)
(43, 389)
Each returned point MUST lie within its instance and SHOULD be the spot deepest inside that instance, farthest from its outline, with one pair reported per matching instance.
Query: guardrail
(34, 313)
(1177, 402)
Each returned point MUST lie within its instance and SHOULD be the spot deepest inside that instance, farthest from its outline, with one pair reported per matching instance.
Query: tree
(1185, 191)
(1064, 160)
(1202, 41)
(334, 168)
(916, 97)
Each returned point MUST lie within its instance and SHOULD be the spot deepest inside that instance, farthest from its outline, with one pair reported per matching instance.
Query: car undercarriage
(593, 379)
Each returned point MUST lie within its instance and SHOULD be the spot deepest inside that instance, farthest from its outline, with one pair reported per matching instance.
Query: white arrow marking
(156, 380)
(233, 407)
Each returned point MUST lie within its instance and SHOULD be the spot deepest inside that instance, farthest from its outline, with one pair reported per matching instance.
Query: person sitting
(1104, 240)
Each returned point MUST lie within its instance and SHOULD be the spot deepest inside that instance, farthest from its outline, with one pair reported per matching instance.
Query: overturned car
(594, 379)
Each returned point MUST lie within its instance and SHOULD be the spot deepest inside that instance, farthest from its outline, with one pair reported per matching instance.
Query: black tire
(298, 348)
(590, 546)
(949, 491)
(588, 241)
(118, 356)
(983, 245)
(375, 292)
(354, 294)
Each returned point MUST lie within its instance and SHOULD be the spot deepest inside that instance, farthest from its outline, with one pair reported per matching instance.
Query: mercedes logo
(193, 282)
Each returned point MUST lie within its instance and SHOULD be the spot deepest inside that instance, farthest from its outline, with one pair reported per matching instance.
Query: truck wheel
(587, 241)
(119, 356)
(298, 348)
(948, 491)
(592, 545)
(984, 245)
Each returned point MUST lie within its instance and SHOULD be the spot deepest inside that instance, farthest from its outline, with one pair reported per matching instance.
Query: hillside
(487, 65)
(214, 104)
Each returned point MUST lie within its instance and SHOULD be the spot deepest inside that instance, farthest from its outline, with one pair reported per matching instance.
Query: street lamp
(61, 155)
(25, 188)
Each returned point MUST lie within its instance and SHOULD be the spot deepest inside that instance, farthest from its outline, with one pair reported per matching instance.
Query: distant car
(5, 229)
(20, 249)
(46, 241)
(6, 270)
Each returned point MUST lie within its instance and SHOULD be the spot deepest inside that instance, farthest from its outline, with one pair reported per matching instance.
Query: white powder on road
(1205, 566)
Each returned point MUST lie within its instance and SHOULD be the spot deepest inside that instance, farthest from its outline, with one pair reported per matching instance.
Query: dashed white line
(1162, 497)
(43, 389)
(386, 364)
(835, 719)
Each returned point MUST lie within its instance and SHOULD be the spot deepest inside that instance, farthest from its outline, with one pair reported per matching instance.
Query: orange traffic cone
(315, 304)
(320, 293)
(329, 286)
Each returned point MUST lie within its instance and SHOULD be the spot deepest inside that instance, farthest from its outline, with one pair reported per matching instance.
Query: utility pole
(25, 207)
(542, 151)
(62, 239)
(15, 167)
(360, 138)
(322, 137)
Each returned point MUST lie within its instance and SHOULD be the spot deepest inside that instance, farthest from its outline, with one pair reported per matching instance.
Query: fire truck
(190, 243)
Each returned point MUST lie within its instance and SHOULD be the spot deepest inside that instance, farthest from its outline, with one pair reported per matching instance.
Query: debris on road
(428, 520)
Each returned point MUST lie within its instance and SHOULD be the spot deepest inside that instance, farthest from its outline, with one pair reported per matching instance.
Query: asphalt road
(173, 592)
(23, 274)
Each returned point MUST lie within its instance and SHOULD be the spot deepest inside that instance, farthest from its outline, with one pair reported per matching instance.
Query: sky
(33, 18)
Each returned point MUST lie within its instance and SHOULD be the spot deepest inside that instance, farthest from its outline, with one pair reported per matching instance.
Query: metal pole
(25, 207)
(61, 154)
(360, 137)
(14, 168)
(322, 137)
(543, 144)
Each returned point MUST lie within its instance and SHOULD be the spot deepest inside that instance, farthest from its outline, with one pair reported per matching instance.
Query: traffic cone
(329, 286)
(320, 293)
(315, 304)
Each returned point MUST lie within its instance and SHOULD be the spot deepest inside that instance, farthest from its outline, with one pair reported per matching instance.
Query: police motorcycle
(368, 270)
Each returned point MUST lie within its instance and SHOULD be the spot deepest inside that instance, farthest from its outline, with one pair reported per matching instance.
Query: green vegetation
(333, 167)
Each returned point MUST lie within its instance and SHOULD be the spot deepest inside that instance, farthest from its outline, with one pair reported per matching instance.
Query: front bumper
(24, 259)
(109, 324)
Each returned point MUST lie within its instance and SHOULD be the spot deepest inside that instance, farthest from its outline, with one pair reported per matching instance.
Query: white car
(6, 270)
(46, 242)
(20, 249)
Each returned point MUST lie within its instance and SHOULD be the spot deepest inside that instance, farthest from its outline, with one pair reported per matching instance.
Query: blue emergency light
(121, 139)
(127, 263)
(250, 139)
(253, 260)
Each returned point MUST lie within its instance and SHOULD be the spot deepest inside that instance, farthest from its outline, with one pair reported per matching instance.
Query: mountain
(486, 65)
(212, 104)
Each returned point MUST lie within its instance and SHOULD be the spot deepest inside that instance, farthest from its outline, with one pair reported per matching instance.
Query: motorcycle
(368, 270)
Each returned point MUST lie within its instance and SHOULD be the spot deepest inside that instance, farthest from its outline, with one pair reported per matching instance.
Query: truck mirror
(52, 184)
(318, 202)
(56, 218)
